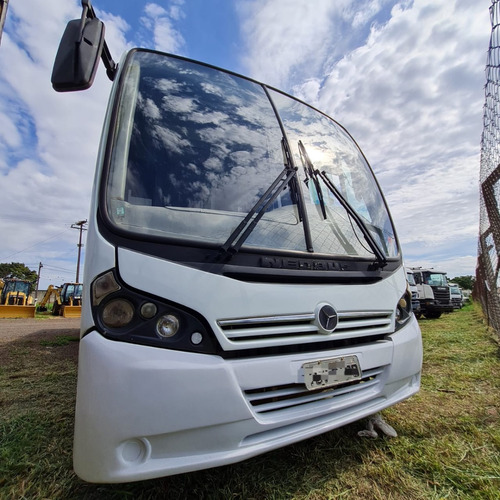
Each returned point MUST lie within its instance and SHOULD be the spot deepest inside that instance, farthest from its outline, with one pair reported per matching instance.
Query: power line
(55, 268)
(24, 218)
(33, 245)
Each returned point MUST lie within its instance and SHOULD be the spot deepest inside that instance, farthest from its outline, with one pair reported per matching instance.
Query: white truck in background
(457, 297)
(433, 292)
(415, 303)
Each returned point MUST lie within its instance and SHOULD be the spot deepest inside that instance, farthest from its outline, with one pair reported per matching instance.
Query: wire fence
(487, 289)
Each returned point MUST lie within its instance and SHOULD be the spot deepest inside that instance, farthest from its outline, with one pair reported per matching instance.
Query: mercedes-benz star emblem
(327, 318)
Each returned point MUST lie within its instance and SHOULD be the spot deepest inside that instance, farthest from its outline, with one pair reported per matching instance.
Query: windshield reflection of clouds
(333, 151)
(204, 147)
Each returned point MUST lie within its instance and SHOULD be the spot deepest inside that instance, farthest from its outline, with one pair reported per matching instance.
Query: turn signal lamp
(103, 286)
(148, 310)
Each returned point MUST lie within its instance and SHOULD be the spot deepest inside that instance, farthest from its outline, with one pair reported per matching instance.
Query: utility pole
(3, 14)
(79, 225)
(38, 281)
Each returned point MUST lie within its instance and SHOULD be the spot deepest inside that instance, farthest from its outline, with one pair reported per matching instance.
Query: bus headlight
(124, 314)
(167, 325)
(117, 313)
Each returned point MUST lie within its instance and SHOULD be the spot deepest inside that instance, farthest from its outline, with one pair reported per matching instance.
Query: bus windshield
(195, 149)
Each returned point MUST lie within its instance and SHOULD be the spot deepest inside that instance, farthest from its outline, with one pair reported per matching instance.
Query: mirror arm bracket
(110, 65)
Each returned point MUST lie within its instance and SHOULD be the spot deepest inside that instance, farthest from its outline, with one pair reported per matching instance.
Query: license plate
(331, 372)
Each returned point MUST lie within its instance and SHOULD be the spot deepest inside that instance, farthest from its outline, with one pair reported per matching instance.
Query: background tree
(18, 270)
(465, 282)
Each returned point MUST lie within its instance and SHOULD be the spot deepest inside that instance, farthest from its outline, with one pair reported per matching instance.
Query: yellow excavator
(15, 299)
(67, 300)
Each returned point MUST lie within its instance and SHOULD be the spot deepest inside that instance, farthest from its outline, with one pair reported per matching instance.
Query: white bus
(244, 286)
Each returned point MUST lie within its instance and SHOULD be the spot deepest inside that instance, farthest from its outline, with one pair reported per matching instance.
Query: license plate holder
(331, 372)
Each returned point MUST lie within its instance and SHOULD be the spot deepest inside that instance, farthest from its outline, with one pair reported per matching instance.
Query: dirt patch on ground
(37, 329)
(55, 336)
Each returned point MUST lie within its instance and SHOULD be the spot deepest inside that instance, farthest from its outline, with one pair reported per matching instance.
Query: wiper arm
(297, 197)
(311, 174)
(240, 234)
(381, 258)
(288, 176)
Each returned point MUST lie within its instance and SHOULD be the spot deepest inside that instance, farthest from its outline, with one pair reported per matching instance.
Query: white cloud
(294, 41)
(406, 78)
(51, 138)
(161, 22)
(116, 30)
(409, 87)
(8, 131)
(362, 16)
(413, 97)
(287, 36)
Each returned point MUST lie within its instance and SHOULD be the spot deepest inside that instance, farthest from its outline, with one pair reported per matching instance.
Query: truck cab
(433, 292)
(15, 299)
(457, 298)
(415, 303)
(15, 292)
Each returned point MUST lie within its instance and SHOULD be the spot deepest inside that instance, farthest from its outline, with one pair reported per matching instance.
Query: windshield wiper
(381, 258)
(296, 194)
(240, 234)
(288, 176)
(311, 174)
(315, 174)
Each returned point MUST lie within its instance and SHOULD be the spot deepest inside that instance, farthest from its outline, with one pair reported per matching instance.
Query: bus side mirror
(78, 55)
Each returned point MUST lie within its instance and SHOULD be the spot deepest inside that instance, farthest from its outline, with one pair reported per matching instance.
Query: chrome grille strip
(242, 322)
(345, 325)
(267, 400)
(269, 332)
(280, 330)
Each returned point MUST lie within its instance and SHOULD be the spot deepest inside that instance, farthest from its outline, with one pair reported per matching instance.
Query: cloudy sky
(406, 78)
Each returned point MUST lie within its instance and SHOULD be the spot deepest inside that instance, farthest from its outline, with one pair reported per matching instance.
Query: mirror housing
(78, 55)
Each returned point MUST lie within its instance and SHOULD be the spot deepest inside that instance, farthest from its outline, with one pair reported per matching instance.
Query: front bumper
(145, 412)
(435, 305)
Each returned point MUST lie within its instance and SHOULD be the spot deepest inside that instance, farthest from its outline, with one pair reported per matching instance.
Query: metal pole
(38, 281)
(79, 225)
(79, 254)
(3, 14)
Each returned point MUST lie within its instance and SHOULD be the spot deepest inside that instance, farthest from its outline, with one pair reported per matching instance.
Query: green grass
(448, 443)
(60, 340)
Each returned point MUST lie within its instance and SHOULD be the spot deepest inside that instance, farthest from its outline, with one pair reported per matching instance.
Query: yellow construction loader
(67, 300)
(15, 299)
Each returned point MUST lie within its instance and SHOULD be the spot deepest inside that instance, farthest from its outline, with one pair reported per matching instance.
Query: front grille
(441, 295)
(266, 331)
(269, 400)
